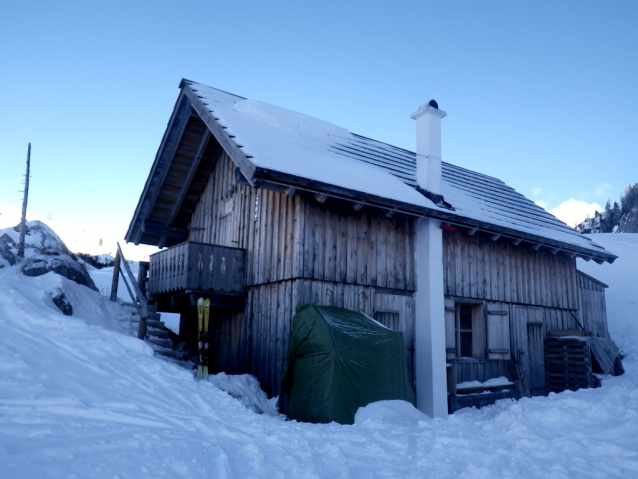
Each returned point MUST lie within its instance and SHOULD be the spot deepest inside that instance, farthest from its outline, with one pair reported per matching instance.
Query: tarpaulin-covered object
(339, 360)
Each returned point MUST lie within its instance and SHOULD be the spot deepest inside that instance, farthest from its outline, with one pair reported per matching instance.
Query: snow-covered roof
(276, 145)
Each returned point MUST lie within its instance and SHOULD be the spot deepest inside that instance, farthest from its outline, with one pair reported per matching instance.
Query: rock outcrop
(44, 251)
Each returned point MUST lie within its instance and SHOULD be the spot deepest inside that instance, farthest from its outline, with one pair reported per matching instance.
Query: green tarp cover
(339, 360)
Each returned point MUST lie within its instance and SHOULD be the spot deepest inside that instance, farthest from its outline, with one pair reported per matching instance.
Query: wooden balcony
(197, 268)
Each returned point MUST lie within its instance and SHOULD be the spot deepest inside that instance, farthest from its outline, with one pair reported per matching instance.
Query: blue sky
(539, 94)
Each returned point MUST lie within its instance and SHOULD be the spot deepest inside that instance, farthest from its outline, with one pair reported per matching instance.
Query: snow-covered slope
(622, 295)
(79, 399)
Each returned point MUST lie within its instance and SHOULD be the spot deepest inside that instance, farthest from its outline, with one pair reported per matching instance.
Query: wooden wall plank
(477, 267)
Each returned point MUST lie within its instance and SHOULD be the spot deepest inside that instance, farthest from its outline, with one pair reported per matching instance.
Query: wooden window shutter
(450, 329)
(498, 331)
(478, 332)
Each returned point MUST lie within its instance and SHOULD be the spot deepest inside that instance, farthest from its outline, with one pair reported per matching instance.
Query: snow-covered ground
(78, 398)
(103, 279)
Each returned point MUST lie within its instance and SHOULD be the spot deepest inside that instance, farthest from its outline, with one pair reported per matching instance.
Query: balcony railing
(197, 267)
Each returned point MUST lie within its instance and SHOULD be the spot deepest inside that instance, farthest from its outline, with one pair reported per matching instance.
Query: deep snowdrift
(80, 399)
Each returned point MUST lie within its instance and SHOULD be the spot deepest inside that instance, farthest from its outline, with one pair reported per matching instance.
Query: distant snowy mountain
(81, 398)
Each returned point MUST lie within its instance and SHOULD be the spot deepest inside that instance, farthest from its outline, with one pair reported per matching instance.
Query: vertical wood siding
(362, 247)
(229, 341)
(301, 251)
(477, 267)
(271, 307)
(593, 307)
(298, 237)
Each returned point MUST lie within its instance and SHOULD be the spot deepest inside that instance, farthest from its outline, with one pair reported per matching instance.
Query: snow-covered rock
(7, 247)
(628, 222)
(96, 261)
(62, 264)
(44, 251)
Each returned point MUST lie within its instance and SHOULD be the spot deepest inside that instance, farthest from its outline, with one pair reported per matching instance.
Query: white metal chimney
(428, 146)
(429, 337)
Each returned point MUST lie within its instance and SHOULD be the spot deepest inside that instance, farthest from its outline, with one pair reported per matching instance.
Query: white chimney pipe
(428, 146)
(429, 329)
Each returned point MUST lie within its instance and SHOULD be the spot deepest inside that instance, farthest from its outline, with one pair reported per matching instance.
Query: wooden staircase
(148, 324)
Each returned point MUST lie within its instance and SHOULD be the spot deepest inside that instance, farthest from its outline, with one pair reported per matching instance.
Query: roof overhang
(195, 137)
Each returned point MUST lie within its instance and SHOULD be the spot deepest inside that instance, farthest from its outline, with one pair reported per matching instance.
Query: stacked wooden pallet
(567, 364)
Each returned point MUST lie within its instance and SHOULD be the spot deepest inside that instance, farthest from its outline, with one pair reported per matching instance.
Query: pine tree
(629, 199)
(605, 222)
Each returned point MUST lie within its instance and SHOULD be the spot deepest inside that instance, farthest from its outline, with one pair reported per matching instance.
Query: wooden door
(528, 341)
(536, 358)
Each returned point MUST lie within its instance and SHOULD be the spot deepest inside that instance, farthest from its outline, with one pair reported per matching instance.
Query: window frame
(453, 311)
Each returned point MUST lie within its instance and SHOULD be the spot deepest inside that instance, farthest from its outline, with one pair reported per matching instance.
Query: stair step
(153, 323)
(163, 342)
(170, 353)
(157, 333)
(154, 316)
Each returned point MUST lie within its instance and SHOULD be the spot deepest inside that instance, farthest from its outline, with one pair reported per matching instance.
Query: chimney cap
(432, 107)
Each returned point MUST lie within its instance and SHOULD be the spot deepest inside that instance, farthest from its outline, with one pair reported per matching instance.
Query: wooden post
(116, 276)
(128, 288)
(24, 206)
(141, 276)
(138, 292)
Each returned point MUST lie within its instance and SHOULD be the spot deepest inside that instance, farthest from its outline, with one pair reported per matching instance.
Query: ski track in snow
(80, 399)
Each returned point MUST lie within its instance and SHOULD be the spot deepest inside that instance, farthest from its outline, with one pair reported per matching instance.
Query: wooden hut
(262, 209)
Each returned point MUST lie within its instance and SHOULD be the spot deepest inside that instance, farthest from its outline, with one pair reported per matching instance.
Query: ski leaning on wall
(203, 320)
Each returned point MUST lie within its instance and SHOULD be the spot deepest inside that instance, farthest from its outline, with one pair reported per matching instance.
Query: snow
(103, 279)
(535, 220)
(499, 381)
(293, 143)
(78, 398)
(285, 141)
(38, 238)
(622, 295)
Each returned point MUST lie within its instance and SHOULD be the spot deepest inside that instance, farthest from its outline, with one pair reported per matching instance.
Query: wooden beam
(390, 213)
(116, 277)
(190, 175)
(291, 191)
(158, 229)
(554, 250)
(472, 231)
(536, 246)
(585, 257)
(358, 205)
(496, 236)
(161, 165)
(234, 151)
(321, 197)
(517, 241)
(138, 292)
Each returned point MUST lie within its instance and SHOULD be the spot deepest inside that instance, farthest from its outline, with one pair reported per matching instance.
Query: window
(464, 330)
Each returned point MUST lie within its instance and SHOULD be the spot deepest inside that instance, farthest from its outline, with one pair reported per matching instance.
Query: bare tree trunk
(24, 206)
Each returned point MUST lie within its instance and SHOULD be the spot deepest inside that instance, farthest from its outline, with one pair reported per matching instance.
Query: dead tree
(24, 206)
